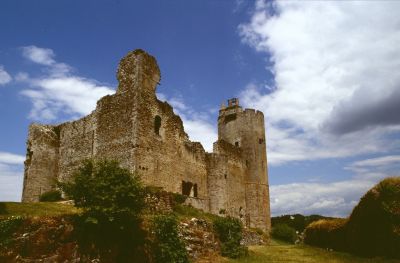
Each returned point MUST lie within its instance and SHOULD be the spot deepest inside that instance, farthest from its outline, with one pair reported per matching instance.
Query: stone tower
(245, 129)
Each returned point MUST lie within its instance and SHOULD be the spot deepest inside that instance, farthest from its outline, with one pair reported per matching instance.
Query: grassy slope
(275, 252)
(283, 252)
(37, 209)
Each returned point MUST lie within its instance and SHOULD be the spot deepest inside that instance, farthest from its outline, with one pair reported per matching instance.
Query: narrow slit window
(195, 190)
(157, 124)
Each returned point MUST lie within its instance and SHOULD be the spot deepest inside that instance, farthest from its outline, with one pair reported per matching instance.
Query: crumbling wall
(76, 144)
(226, 178)
(165, 156)
(115, 138)
(41, 165)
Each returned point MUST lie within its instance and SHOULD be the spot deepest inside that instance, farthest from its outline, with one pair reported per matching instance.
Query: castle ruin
(146, 137)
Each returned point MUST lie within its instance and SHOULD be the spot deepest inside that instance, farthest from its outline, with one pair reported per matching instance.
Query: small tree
(229, 231)
(168, 245)
(105, 191)
(112, 199)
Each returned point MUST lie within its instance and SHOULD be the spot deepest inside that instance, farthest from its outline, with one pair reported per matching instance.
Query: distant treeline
(297, 221)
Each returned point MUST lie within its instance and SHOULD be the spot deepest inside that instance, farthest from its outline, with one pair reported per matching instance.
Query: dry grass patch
(37, 209)
(283, 252)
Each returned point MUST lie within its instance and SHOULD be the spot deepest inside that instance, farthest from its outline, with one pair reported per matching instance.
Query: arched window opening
(157, 124)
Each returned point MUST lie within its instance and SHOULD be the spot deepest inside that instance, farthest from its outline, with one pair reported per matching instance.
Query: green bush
(374, 224)
(112, 200)
(168, 246)
(51, 196)
(7, 228)
(229, 232)
(3, 209)
(106, 191)
(179, 198)
(373, 228)
(285, 233)
(327, 233)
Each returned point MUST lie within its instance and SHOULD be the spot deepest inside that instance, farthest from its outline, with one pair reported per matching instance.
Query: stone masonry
(146, 137)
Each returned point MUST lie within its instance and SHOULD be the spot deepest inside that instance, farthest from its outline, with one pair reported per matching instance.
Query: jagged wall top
(137, 64)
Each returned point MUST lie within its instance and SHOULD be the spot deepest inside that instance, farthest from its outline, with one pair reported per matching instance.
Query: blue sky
(325, 74)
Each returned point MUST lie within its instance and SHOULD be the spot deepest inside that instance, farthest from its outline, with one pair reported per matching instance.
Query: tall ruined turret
(245, 130)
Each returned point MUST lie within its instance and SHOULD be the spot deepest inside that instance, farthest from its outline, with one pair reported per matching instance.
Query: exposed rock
(199, 238)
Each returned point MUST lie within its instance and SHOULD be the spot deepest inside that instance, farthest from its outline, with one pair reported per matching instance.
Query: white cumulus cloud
(4, 76)
(329, 199)
(59, 91)
(337, 87)
(43, 56)
(11, 176)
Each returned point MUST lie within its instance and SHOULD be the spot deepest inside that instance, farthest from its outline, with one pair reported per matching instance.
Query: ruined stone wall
(163, 155)
(76, 144)
(41, 165)
(226, 171)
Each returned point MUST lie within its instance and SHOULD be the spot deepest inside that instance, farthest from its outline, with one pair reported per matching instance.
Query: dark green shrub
(284, 232)
(179, 198)
(373, 228)
(229, 232)
(7, 228)
(153, 190)
(327, 233)
(112, 200)
(51, 196)
(3, 209)
(374, 224)
(106, 191)
(168, 246)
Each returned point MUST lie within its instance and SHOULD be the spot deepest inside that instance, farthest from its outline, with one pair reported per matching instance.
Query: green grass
(287, 253)
(37, 209)
(188, 212)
